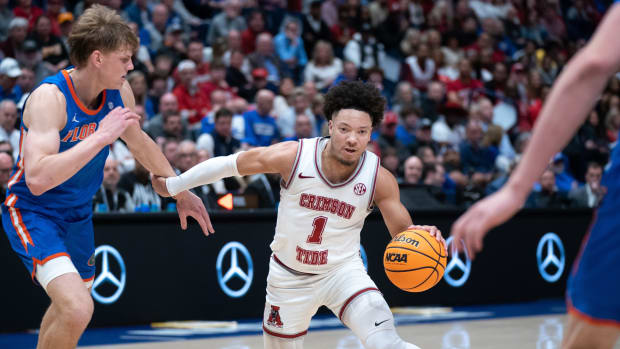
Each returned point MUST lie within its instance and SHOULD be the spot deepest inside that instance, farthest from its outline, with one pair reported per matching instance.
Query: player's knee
(387, 339)
(77, 312)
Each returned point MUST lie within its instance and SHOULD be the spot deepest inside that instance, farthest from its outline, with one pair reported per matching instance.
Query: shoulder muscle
(45, 109)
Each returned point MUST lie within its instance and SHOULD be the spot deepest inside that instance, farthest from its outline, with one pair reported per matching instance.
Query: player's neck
(86, 88)
(334, 169)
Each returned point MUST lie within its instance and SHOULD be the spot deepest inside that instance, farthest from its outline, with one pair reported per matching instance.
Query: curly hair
(356, 95)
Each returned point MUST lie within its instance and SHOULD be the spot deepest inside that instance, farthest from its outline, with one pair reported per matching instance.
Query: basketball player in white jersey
(329, 186)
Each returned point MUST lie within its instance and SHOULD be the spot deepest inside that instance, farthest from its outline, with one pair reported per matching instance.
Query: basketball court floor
(538, 324)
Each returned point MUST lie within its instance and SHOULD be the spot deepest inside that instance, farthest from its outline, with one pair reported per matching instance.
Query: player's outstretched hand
(189, 204)
(434, 231)
(114, 124)
(159, 184)
(483, 216)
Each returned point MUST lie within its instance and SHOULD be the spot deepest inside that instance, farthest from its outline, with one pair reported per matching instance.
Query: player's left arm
(141, 145)
(151, 157)
(395, 215)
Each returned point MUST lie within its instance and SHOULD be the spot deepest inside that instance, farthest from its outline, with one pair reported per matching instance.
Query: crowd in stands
(464, 80)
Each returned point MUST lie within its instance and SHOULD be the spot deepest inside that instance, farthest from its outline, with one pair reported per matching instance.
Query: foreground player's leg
(370, 318)
(584, 335)
(70, 312)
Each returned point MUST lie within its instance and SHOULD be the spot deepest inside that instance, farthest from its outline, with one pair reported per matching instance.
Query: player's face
(115, 66)
(350, 133)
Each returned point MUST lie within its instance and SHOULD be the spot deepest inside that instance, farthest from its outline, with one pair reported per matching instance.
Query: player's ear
(96, 58)
(330, 125)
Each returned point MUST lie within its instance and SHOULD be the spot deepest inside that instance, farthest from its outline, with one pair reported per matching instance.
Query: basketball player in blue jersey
(67, 125)
(329, 185)
(593, 294)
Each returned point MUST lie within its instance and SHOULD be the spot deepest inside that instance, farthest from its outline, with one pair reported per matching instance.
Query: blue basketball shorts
(52, 242)
(593, 285)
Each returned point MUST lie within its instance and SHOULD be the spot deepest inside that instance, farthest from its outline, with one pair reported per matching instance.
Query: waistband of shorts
(290, 270)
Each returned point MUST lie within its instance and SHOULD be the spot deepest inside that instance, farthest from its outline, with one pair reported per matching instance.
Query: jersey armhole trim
(372, 190)
(286, 185)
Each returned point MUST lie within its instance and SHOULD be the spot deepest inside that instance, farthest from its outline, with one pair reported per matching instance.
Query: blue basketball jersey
(81, 123)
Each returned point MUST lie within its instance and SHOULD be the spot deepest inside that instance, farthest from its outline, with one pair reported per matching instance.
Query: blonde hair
(493, 136)
(99, 28)
(315, 52)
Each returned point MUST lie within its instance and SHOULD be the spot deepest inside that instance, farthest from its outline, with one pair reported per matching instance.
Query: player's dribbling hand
(159, 184)
(434, 231)
(189, 204)
(483, 216)
(114, 124)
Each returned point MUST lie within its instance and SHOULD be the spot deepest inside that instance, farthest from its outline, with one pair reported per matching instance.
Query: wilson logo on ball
(407, 240)
(359, 189)
(396, 257)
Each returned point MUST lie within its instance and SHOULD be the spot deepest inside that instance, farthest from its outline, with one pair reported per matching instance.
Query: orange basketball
(414, 260)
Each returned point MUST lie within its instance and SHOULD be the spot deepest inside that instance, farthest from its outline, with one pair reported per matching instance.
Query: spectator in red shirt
(193, 102)
(464, 89)
(217, 82)
(486, 41)
(26, 10)
(256, 25)
(195, 53)
(54, 8)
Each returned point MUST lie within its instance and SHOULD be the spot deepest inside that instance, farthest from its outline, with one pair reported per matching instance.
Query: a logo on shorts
(91, 260)
(274, 317)
(359, 189)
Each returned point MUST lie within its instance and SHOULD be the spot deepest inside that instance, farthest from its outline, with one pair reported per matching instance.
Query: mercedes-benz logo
(456, 338)
(550, 258)
(107, 276)
(455, 262)
(234, 270)
(550, 334)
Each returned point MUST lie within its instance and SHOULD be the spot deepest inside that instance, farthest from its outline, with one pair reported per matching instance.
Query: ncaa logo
(550, 253)
(107, 279)
(359, 189)
(232, 250)
(456, 265)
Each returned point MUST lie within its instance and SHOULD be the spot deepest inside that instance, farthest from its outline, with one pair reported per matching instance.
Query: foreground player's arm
(141, 145)
(150, 156)
(277, 158)
(395, 215)
(44, 116)
(571, 98)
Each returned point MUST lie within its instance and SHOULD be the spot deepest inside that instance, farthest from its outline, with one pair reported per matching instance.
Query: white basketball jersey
(319, 222)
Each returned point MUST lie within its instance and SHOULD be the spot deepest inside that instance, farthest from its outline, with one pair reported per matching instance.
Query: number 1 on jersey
(318, 225)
